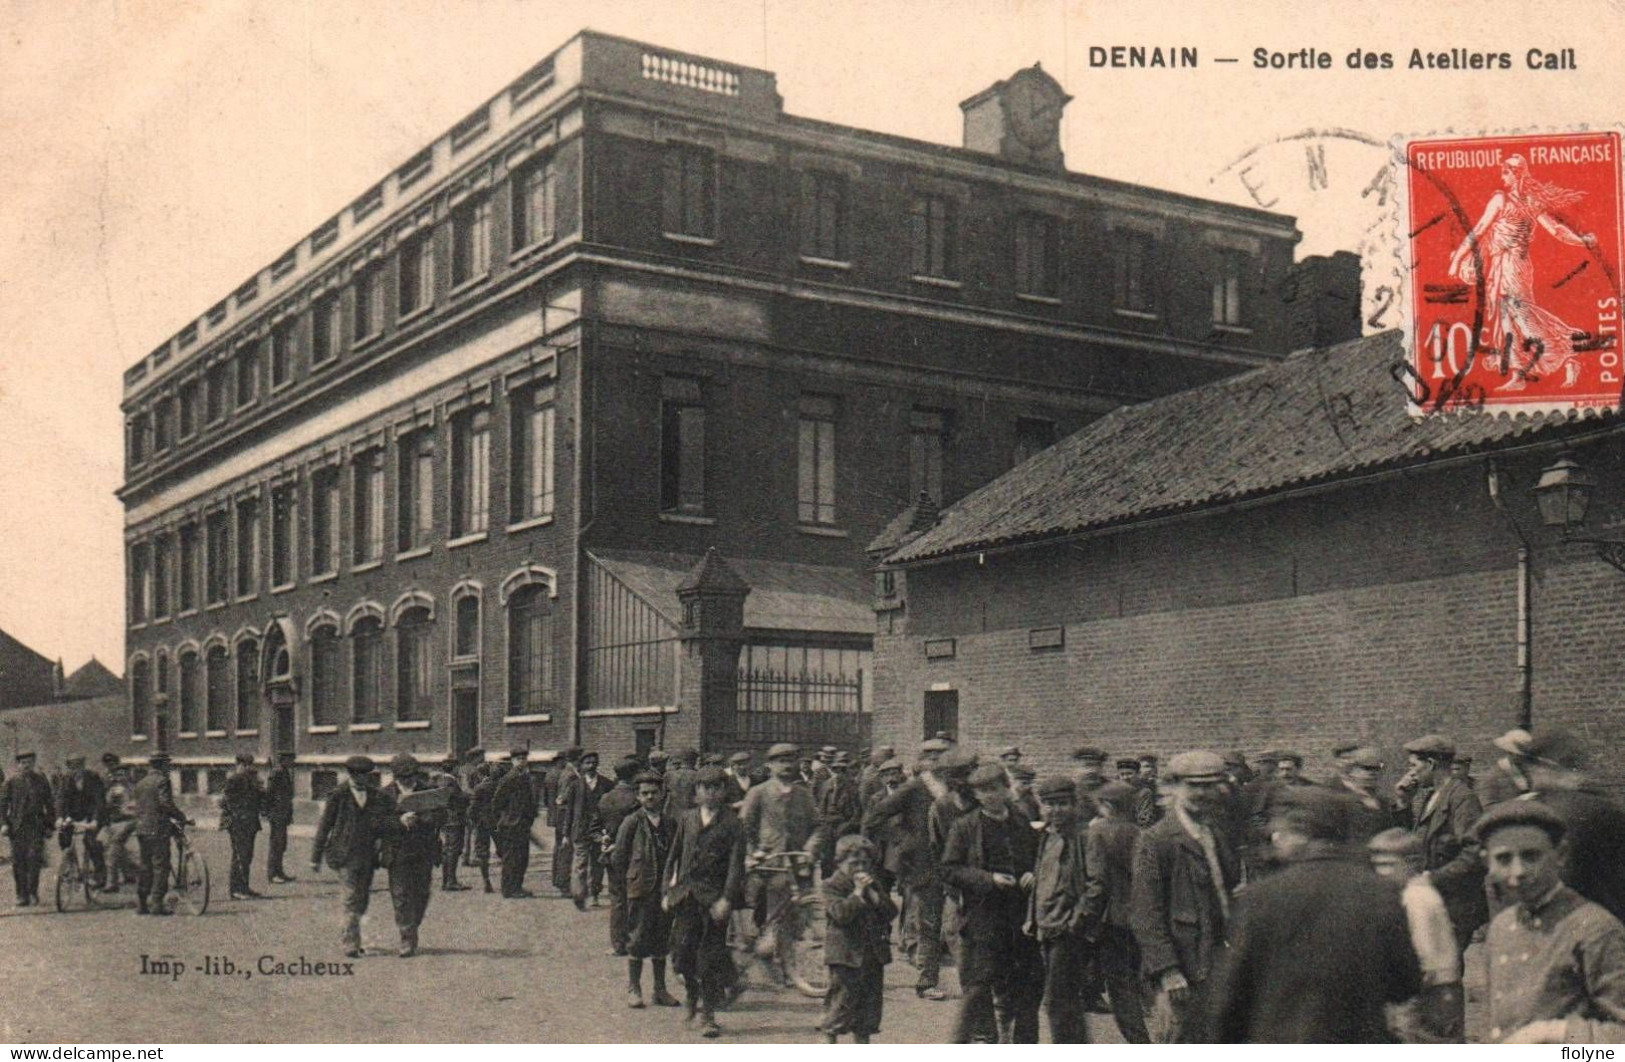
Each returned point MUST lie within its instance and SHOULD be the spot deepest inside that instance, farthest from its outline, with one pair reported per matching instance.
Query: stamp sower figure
(613, 809)
(412, 850)
(279, 816)
(156, 818)
(1184, 872)
(1064, 911)
(241, 807)
(1556, 960)
(857, 942)
(513, 809)
(643, 842)
(705, 882)
(27, 813)
(356, 820)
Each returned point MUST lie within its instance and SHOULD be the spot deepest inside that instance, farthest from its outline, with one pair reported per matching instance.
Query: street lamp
(1563, 494)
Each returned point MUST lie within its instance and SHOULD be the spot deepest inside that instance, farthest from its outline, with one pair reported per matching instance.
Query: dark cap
(648, 778)
(360, 765)
(244, 758)
(79, 761)
(628, 769)
(21, 756)
(1057, 786)
(989, 776)
(1009, 750)
(1396, 840)
(1090, 754)
(711, 775)
(658, 756)
(1235, 758)
(110, 759)
(403, 763)
(841, 760)
(893, 764)
(1115, 793)
(712, 759)
(1126, 763)
(1558, 748)
(1023, 772)
(1148, 757)
(1519, 813)
(1433, 746)
(1321, 814)
(1287, 756)
(1341, 750)
(935, 745)
(1268, 756)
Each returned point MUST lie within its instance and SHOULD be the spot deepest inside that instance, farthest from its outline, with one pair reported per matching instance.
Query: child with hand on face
(857, 942)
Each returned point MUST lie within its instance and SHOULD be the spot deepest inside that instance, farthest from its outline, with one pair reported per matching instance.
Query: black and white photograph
(784, 522)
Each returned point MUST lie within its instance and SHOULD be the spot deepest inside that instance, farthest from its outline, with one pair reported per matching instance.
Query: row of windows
(234, 383)
(175, 571)
(359, 669)
(689, 208)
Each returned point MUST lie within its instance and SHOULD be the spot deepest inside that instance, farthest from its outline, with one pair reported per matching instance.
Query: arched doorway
(279, 653)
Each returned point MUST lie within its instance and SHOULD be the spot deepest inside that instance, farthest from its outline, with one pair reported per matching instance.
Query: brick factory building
(451, 470)
(1283, 558)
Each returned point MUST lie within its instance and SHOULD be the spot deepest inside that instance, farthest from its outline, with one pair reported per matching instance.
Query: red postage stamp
(1514, 246)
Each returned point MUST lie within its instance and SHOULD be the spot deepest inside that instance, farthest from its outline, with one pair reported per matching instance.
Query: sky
(158, 152)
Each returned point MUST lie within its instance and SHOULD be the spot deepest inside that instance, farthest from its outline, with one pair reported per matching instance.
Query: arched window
(248, 684)
(530, 651)
(414, 698)
(466, 636)
(141, 696)
(190, 693)
(219, 695)
(367, 673)
(324, 675)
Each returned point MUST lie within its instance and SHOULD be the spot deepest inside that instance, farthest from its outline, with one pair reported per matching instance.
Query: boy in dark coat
(989, 858)
(857, 942)
(1109, 855)
(355, 820)
(616, 805)
(705, 881)
(415, 849)
(643, 842)
(1064, 911)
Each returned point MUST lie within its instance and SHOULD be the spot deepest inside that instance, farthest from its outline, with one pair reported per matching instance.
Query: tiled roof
(1313, 417)
(783, 595)
(92, 680)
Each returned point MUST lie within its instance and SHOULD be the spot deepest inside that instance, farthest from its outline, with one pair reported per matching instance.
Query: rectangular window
(530, 652)
(530, 462)
(688, 191)
(217, 577)
(187, 590)
(931, 236)
(1032, 436)
(367, 685)
(816, 460)
(1132, 266)
(415, 490)
(324, 677)
(284, 348)
(138, 438)
(215, 384)
(326, 325)
(188, 409)
(248, 685)
(324, 521)
(682, 445)
(190, 695)
(368, 502)
(140, 582)
(927, 430)
(1229, 267)
(163, 424)
(248, 546)
(823, 216)
(248, 374)
(1036, 256)
(414, 681)
(467, 634)
(217, 703)
(161, 567)
(369, 302)
(284, 525)
(534, 208)
(471, 240)
(470, 472)
(417, 273)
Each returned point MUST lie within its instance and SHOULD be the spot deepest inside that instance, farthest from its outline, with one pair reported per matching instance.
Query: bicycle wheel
(806, 966)
(193, 884)
(67, 884)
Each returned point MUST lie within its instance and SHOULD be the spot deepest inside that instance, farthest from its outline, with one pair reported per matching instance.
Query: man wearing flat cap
(357, 820)
(1128, 770)
(415, 848)
(156, 818)
(903, 818)
(83, 799)
(1064, 910)
(1442, 813)
(1184, 874)
(1109, 853)
(242, 803)
(27, 813)
(513, 810)
(840, 808)
(454, 831)
(1556, 959)
(1509, 780)
(778, 816)
(1088, 764)
(579, 799)
(1558, 762)
(869, 780)
(1023, 794)
(279, 816)
(613, 809)
(481, 818)
(1010, 758)
(739, 782)
(1359, 769)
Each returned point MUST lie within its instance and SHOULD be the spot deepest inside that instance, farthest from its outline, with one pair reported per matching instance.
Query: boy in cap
(415, 848)
(1442, 813)
(613, 810)
(513, 809)
(356, 820)
(1358, 771)
(642, 848)
(1556, 960)
(704, 882)
(1128, 770)
(156, 820)
(1088, 775)
(1436, 1016)
(1063, 910)
(989, 857)
(27, 813)
(1109, 856)
(279, 816)
(857, 942)
(1184, 874)
(455, 828)
(241, 806)
(1556, 763)
(580, 798)
(83, 799)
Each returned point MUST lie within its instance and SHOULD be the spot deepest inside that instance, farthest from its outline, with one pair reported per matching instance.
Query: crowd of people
(1215, 900)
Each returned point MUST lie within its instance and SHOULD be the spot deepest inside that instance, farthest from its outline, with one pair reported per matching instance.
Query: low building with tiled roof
(26, 677)
(1282, 555)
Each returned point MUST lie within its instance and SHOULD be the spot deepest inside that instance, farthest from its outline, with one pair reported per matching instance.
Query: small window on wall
(217, 566)
(931, 236)
(471, 239)
(415, 490)
(823, 216)
(369, 505)
(535, 191)
(470, 472)
(815, 499)
(689, 191)
(327, 328)
(248, 684)
(284, 348)
(367, 671)
(161, 556)
(1229, 268)
(531, 494)
(248, 373)
(467, 635)
(248, 546)
(369, 302)
(216, 383)
(217, 715)
(325, 680)
(417, 273)
(284, 525)
(324, 521)
(1036, 256)
(188, 409)
(414, 680)
(1132, 270)
(188, 779)
(682, 445)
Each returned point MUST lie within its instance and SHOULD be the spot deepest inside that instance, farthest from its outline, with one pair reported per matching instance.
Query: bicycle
(189, 889)
(74, 882)
(792, 935)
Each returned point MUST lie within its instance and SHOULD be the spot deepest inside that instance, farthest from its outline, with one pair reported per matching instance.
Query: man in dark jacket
(1064, 910)
(1369, 814)
(479, 816)
(1109, 855)
(414, 849)
(512, 810)
(1318, 949)
(578, 801)
(241, 806)
(642, 847)
(279, 816)
(27, 813)
(455, 828)
(1184, 874)
(156, 819)
(356, 821)
(1442, 813)
(839, 806)
(83, 799)
(989, 857)
(705, 881)
(613, 809)
(903, 819)
(680, 782)
(558, 776)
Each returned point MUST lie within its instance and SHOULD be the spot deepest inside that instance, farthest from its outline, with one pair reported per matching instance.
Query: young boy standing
(705, 880)
(643, 844)
(857, 942)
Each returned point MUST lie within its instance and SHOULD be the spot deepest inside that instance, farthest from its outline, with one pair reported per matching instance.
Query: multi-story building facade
(443, 473)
